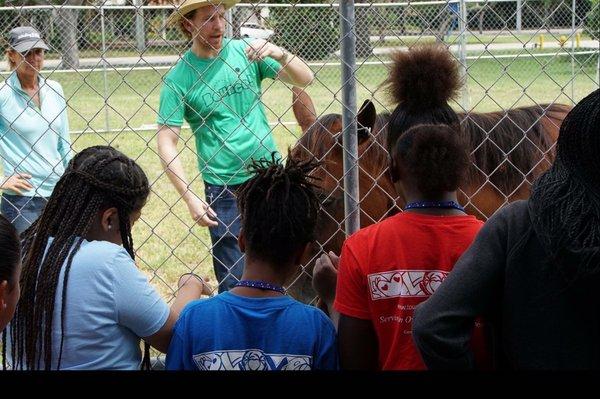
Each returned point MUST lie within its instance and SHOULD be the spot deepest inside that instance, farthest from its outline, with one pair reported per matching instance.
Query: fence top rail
(252, 5)
(126, 68)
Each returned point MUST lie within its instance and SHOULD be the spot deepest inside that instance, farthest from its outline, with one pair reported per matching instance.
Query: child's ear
(3, 294)
(302, 254)
(242, 241)
(110, 220)
(394, 170)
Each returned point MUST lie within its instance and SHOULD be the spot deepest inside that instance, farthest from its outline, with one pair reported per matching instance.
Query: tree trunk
(363, 41)
(481, 19)
(66, 24)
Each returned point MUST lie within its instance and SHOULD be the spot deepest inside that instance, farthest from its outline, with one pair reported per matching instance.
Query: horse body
(509, 150)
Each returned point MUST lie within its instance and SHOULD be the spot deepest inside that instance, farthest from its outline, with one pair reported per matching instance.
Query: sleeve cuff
(352, 312)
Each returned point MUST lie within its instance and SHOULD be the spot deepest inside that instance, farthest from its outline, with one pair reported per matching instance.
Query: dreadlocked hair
(565, 201)
(97, 178)
(422, 81)
(278, 208)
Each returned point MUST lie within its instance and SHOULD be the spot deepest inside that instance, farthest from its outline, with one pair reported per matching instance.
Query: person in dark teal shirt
(216, 88)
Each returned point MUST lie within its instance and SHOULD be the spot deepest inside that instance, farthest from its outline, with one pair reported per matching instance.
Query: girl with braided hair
(85, 304)
(533, 270)
(255, 326)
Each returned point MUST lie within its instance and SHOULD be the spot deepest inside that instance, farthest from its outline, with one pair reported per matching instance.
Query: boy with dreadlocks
(255, 326)
(84, 303)
(533, 271)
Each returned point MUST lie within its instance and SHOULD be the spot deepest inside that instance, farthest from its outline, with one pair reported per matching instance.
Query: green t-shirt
(220, 99)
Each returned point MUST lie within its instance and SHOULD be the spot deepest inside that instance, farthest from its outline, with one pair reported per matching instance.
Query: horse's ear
(304, 109)
(367, 115)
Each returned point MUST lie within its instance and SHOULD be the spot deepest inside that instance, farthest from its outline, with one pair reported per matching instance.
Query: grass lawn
(168, 244)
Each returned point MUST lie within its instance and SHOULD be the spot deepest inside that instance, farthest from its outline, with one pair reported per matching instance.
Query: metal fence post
(350, 139)
(463, 54)
(104, 72)
(519, 15)
(140, 34)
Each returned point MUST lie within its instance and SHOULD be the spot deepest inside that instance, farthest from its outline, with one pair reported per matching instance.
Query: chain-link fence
(111, 61)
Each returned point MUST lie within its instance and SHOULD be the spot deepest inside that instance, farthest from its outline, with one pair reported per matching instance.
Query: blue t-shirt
(231, 332)
(110, 305)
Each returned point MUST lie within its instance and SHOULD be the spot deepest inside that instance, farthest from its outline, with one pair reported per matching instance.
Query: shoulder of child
(103, 249)
(517, 211)
(317, 314)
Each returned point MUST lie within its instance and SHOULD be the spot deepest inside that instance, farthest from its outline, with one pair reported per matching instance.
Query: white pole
(463, 54)
(573, 33)
(140, 35)
(106, 117)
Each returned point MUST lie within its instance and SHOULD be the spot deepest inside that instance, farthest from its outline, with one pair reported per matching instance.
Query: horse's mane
(320, 137)
(507, 147)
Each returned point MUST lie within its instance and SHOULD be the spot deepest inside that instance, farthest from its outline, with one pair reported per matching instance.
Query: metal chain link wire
(111, 58)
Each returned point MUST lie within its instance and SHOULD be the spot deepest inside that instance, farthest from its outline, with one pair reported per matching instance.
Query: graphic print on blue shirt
(231, 332)
(251, 360)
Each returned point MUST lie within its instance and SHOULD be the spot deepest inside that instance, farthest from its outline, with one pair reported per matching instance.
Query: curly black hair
(432, 157)
(422, 81)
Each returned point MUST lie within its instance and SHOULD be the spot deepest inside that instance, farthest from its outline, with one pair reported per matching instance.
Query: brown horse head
(322, 139)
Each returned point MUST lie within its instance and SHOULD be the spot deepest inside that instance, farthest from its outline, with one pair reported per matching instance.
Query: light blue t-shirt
(231, 332)
(110, 305)
(34, 140)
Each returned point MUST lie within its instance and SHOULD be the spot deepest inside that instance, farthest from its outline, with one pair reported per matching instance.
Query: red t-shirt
(388, 268)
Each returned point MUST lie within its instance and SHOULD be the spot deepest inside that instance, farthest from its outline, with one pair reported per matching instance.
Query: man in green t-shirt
(216, 88)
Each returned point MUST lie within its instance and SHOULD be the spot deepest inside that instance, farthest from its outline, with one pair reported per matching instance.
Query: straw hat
(191, 5)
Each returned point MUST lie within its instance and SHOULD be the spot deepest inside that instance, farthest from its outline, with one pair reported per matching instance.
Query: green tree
(593, 20)
(318, 31)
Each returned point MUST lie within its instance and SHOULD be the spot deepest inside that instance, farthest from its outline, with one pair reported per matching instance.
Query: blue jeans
(228, 260)
(21, 211)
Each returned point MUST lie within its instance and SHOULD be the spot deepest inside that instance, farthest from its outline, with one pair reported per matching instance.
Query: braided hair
(10, 257)
(97, 178)
(278, 208)
(565, 201)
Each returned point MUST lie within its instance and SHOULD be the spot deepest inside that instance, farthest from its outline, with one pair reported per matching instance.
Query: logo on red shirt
(405, 283)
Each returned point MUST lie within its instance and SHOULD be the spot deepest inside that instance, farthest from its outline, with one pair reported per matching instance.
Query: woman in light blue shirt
(34, 130)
